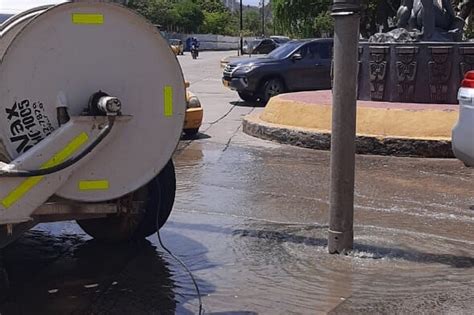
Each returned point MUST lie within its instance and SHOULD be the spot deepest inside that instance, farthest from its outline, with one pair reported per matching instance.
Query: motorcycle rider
(194, 47)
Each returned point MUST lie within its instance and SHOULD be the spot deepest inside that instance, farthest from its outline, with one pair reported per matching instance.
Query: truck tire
(272, 87)
(248, 97)
(154, 199)
(191, 132)
(4, 283)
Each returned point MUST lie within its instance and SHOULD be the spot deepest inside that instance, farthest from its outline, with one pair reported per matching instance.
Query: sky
(15, 6)
(250, 2)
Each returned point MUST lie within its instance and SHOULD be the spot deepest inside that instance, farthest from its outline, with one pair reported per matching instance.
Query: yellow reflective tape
(20, 191)
(93, 185)
(58, 158)
(87, 18)
(168, 100)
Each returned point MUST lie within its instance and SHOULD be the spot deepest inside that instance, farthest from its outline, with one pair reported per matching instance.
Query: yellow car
(177, 46)
(194, 114)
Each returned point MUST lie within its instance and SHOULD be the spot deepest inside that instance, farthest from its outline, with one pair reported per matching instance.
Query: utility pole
(263, 18)
(241, 30)
(344, 104)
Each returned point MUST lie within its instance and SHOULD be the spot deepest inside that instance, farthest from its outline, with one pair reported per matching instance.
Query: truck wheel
(248, 97)
(137, 216)
(271, 88)
(191, 131)
(4, 283)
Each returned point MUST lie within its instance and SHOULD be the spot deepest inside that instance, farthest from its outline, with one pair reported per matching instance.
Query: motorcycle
(194, 51)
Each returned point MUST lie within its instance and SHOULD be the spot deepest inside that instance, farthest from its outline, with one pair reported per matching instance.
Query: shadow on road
(198, 136)
(247, 104)
(59, 275)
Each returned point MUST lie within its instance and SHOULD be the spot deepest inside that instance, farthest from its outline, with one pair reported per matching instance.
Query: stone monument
(423, 60)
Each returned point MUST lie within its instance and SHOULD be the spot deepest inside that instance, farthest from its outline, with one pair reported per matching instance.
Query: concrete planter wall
(413, 72)
(210, 41)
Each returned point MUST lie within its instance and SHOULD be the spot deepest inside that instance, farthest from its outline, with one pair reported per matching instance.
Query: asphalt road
(250, 221)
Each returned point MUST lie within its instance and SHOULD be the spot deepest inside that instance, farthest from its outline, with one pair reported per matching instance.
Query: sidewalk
(402, 129)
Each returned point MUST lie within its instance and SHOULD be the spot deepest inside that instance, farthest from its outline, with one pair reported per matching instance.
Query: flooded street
(250, 221)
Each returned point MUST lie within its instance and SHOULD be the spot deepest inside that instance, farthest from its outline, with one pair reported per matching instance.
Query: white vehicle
(463, 131)
(88, 122)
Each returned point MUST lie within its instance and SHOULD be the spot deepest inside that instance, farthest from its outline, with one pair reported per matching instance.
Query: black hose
(50, 170)
(176, 258)
(185, 268)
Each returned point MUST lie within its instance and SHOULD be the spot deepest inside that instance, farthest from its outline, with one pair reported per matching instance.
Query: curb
(313, 110)
(320, 140)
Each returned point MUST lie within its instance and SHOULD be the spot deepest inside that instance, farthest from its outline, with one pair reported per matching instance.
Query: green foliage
(295, 18)
(323, 24)
(218, 23)
(212, 6)
(149, 9)
(217, 18)
(252, 23)
(301, 18)
(157, 11)
(208, 16)
(311, 18)
(190, 15)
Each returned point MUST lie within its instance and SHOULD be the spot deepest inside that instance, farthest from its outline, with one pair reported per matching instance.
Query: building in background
(232, 5)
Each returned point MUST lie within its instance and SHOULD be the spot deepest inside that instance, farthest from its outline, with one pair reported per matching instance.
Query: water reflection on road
(284, 268)
(264, 215)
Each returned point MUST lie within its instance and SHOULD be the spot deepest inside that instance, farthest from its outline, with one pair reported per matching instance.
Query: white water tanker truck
(92, 104)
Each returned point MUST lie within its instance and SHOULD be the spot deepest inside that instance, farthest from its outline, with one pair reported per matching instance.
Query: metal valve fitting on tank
(109, 105)
(62, 108)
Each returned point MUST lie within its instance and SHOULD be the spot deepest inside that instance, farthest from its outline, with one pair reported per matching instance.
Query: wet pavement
(250, 220)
